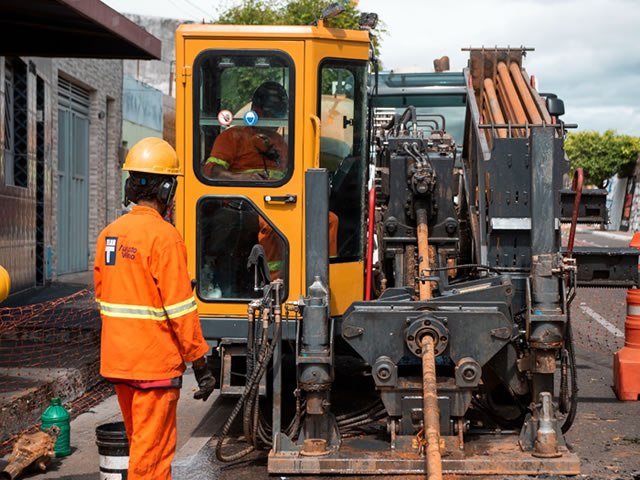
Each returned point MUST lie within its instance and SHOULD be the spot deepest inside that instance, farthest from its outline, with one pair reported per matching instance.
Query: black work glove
(206, 382)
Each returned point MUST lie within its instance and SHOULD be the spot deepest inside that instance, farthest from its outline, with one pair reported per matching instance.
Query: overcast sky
(586, 51)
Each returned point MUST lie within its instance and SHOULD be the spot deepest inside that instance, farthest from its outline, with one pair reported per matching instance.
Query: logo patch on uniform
(110, 251)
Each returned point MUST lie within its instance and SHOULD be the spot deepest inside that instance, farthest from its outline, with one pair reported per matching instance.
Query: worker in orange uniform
(254, 153)
(150, 325)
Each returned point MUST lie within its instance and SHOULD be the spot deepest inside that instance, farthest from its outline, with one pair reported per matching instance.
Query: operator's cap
(272, 99)
(152, 155)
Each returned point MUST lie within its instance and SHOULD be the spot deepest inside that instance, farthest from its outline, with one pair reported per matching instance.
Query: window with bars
(15, 133)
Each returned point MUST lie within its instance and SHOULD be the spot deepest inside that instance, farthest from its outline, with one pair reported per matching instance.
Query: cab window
(342, 112)
(228, 230)
(244, 125)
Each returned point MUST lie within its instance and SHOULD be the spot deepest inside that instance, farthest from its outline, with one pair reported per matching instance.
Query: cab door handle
(281, 198)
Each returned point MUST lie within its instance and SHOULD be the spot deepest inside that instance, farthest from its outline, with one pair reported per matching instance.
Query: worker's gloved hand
(206, 381)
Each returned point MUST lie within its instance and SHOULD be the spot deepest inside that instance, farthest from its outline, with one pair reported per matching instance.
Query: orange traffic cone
(626, 361)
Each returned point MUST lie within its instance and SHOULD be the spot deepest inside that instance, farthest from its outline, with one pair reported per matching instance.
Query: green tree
(252, 12)
(602, 155)
(294, 12)
(285, 12)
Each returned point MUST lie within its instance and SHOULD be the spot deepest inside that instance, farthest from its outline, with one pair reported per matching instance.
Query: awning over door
(72, 28)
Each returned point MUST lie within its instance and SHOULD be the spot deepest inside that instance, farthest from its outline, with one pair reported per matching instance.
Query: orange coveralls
(240, 150)
(237, 150)
(150, 328)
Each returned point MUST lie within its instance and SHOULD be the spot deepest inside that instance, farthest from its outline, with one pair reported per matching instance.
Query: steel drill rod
(508, 111)
(494, 107)
(511, 93)
(430, 411)
(527, 100)
(423, 251)
(486, 115)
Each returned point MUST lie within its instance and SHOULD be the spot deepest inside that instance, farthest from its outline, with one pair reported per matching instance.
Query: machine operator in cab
(258, 153)
(253, 152)
(150, 323)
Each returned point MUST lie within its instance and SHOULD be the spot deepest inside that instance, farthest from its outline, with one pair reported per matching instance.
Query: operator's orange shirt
(150, 323)
(238, 149)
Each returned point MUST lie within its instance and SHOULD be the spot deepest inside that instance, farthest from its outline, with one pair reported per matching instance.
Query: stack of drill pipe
(506, 99)
(494, 111)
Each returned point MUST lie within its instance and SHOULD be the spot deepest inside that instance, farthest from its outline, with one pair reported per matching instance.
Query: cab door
(338, 71)
(244, 182)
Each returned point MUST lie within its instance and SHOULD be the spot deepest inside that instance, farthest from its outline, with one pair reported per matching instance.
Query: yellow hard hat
(5, 283)
(152, 155)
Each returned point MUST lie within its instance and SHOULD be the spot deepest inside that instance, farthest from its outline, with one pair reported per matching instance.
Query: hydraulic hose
(408, 115)
(257, 430)
(368, 417)
(564, 381)
(250, 358)
(365, 420)
(574, 378)
(250, 415)
(360, 414)
(263, 360)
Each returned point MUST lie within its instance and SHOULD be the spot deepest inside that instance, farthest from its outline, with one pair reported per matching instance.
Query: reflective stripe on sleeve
(274, 265)
(218, 161)
(146, 312)
(182, 308)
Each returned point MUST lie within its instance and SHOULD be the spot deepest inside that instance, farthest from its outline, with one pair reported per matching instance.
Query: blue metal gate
(73, 181)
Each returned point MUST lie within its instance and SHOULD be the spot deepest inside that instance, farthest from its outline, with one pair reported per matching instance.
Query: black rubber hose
(574, 378)
(371, 419)
(249, 418)
(255, 414)
(364, 416)
(250, 364)
(564, 381)
(261, 366)
(293, 428)
(374, 406)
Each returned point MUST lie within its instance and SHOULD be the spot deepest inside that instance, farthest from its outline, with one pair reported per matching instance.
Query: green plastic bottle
(56, 414)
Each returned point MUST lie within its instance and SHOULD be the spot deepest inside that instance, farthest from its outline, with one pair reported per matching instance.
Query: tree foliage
(602, 155)
(293, 12)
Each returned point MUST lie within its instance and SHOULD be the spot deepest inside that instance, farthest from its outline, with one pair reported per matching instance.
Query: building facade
(60, 131)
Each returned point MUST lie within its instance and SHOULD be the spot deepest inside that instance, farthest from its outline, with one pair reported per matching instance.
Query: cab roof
(283, 32)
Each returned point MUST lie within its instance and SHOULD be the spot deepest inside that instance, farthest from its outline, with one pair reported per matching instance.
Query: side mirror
(555, 106)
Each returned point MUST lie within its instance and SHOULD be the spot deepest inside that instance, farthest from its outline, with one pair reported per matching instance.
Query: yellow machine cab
(258, 106)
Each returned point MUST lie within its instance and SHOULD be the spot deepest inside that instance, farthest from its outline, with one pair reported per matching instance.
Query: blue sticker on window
(110, 251)
(250, 118)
